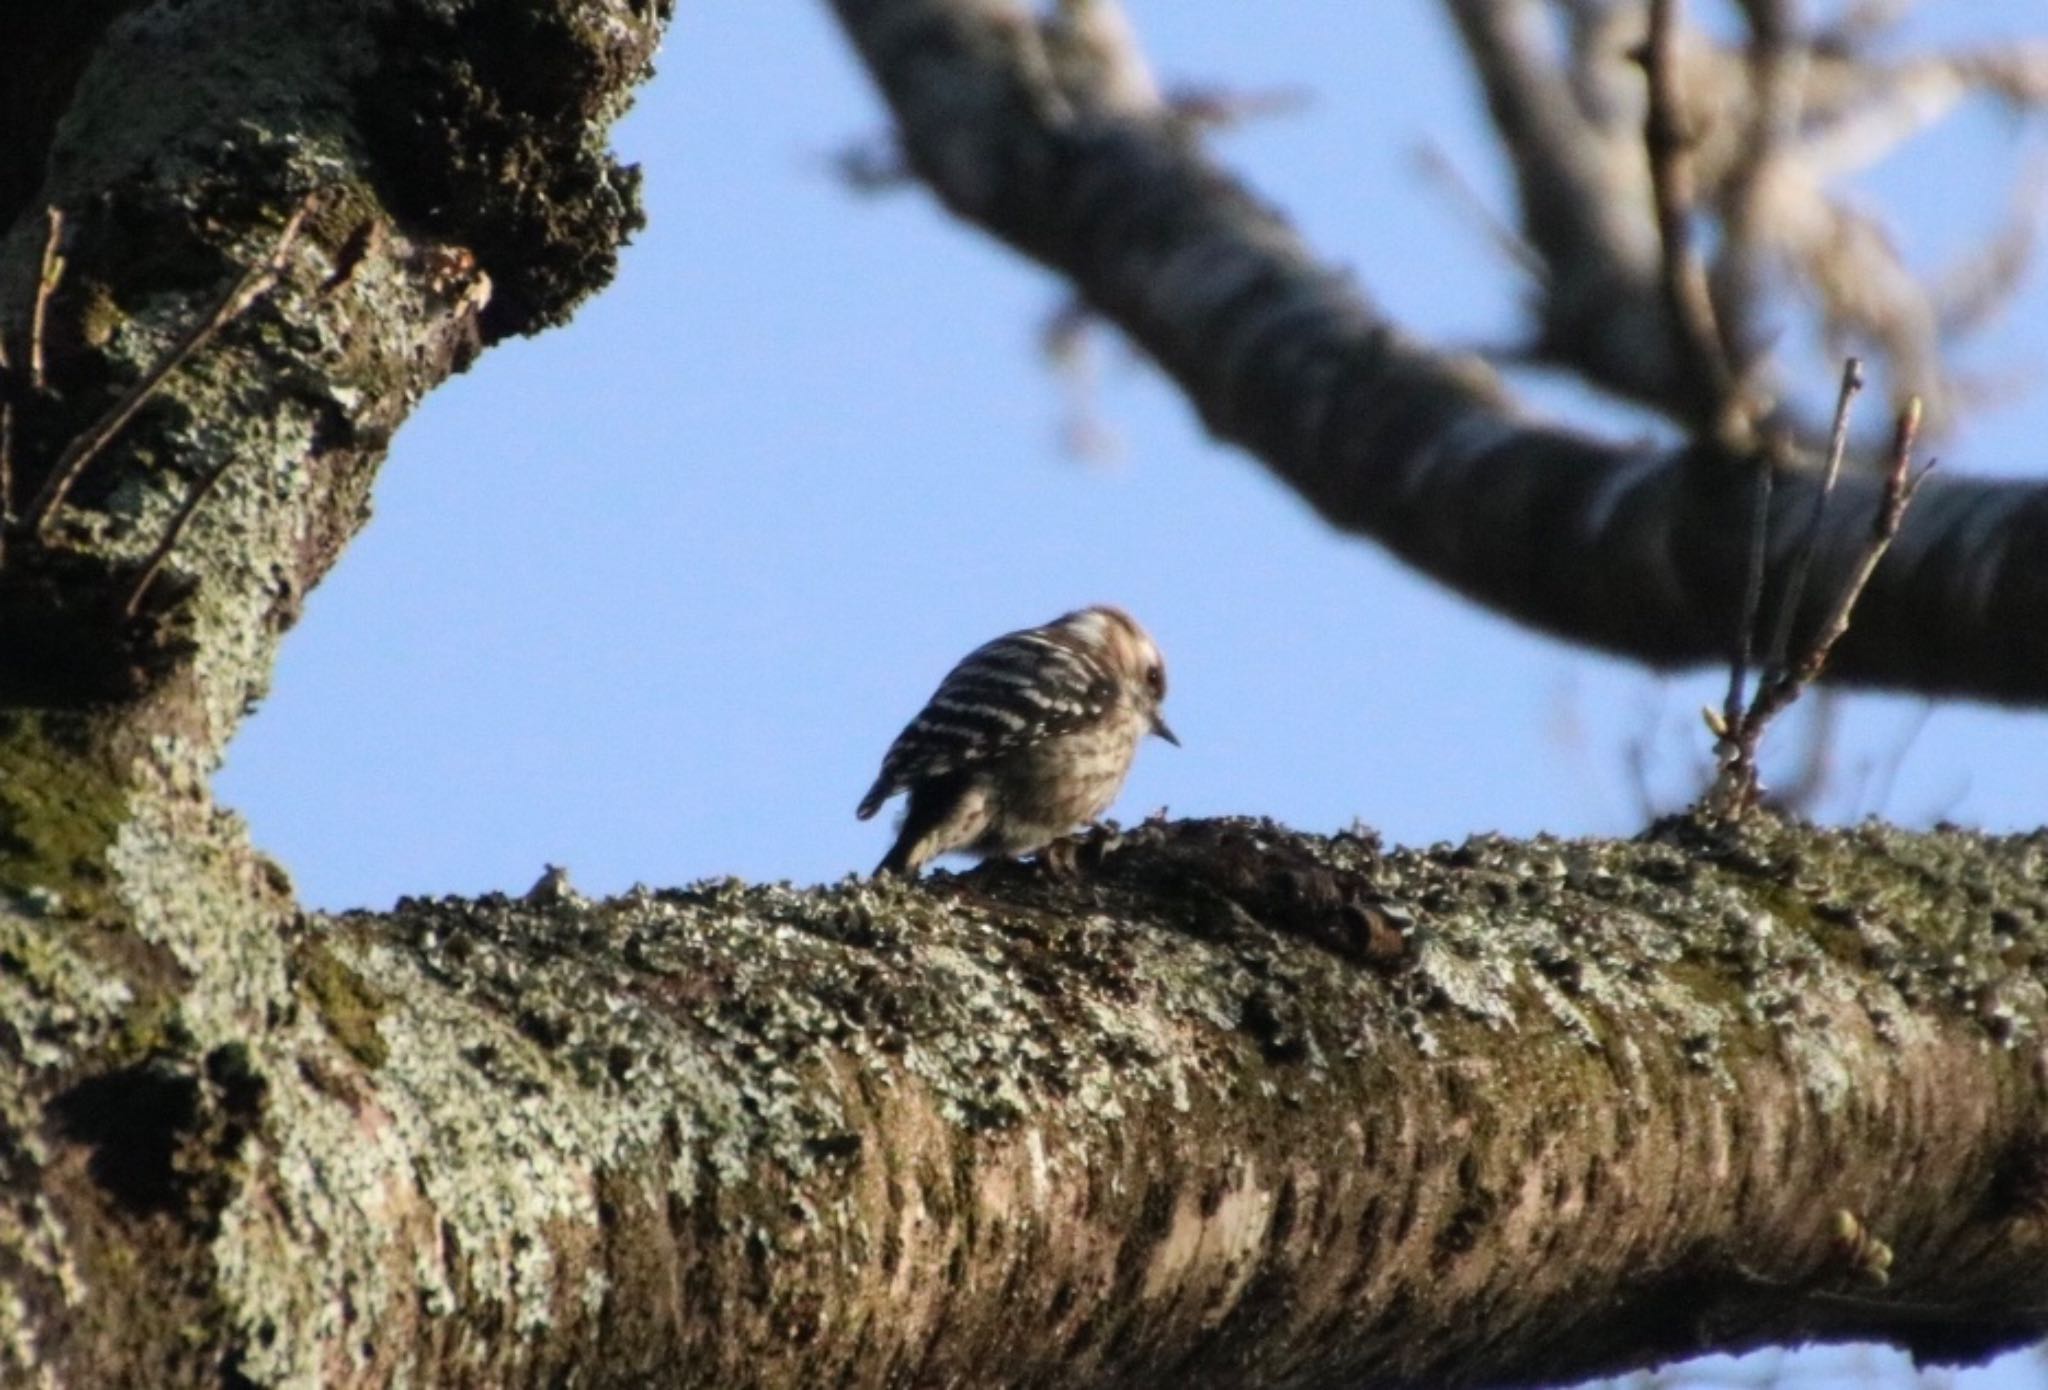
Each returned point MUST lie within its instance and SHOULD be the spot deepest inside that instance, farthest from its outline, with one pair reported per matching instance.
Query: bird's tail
(872, 802)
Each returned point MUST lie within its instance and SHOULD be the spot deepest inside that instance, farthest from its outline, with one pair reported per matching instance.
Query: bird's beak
(1159, 728)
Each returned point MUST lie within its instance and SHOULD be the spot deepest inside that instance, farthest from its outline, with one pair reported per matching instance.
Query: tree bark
(1236, 1106)
(447, 171)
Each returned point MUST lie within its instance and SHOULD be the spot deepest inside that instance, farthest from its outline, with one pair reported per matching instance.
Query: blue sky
(648, 596)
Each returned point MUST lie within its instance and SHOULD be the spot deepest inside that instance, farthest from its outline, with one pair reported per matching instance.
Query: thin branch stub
(47, 279)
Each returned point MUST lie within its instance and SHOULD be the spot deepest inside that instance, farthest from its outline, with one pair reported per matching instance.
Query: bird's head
(1128, 651)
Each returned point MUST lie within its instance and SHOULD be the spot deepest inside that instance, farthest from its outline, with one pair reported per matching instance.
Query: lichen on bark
(169, 1024)
(1237, 1094)
(1235, 1097)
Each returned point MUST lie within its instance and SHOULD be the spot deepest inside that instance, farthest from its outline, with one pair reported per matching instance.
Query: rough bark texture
(149, 1024)
(1421, 452)
(1237, 1107)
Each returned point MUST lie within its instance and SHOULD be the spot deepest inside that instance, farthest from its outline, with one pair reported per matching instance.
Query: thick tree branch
(157, 1066)
(1580, 177)
(1236, 1099)
(1493, 1115)
(463, 138)
(1418, 451)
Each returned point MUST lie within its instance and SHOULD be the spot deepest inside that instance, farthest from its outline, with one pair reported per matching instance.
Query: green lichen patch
(347, 1003)
(61, 806)
(788, 1114)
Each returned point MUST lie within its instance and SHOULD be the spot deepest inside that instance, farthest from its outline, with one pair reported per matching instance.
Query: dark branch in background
(1778, 123)
(1668, 140)
(1422, 452)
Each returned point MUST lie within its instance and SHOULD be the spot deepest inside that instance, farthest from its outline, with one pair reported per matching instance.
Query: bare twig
(1948, 1314)
(6, 476)
(253, 285)
(1437, 165)
(1900, 483)
(1067, 340)
(1776, 654)
(1885, 771)
(872, 164)
(1635, 761)
(1752, 595)
(364, 240)
(1860, 25)
(1736, 788)
(47, 280)
(1972, 291)
(1639, 751)
(1207, 107)
(186, 510)
(1815, 773)
(1667, 140)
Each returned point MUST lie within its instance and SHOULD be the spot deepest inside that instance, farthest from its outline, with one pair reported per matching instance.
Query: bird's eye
(1155, 679)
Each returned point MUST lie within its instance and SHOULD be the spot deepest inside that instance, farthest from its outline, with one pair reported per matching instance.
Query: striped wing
(1006, 693)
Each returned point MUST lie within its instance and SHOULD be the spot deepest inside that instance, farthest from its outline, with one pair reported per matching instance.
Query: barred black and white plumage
(1029, 736)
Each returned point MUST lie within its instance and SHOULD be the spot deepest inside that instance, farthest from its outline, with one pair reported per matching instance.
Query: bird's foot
(1072, 855)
